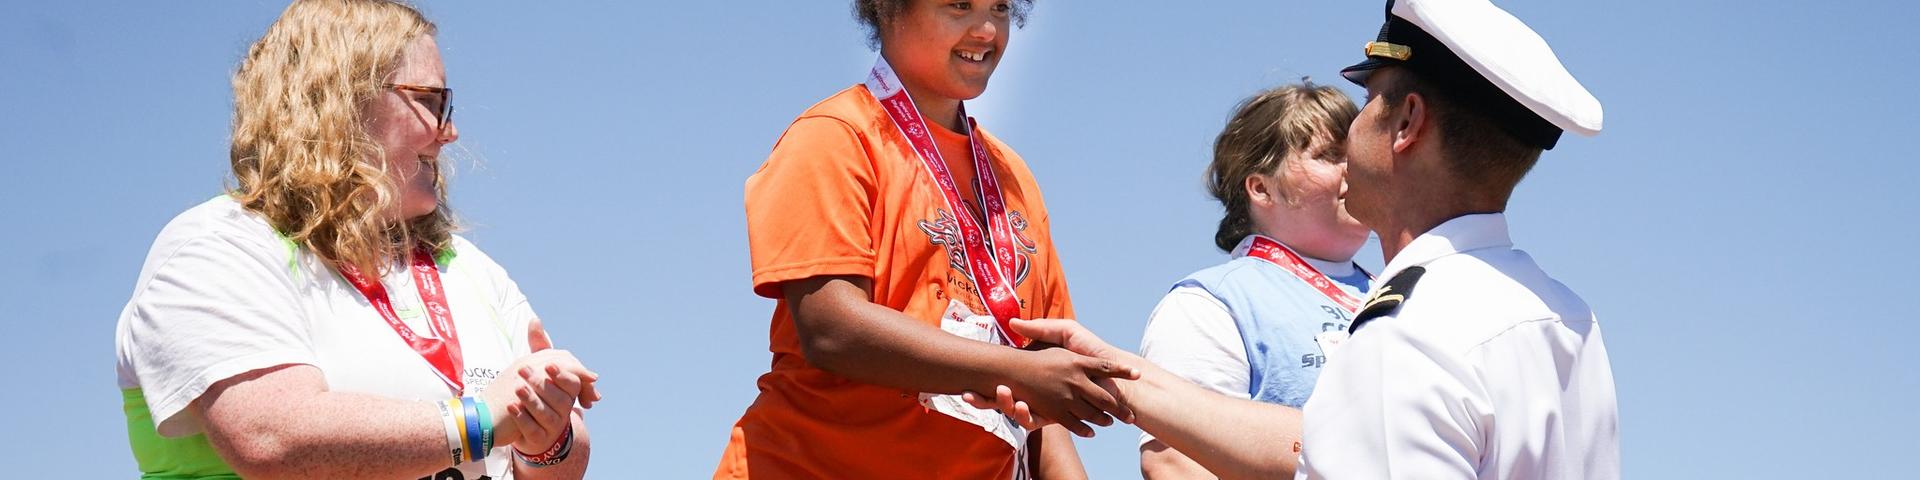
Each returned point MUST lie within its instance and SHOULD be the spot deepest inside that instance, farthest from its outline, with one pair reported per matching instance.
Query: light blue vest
(1278, 315)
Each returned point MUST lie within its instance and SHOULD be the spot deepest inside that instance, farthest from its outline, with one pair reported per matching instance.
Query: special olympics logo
(944, 230)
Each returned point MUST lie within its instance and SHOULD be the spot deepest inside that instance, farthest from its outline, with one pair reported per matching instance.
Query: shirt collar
(1328, 268)
(1462, 234)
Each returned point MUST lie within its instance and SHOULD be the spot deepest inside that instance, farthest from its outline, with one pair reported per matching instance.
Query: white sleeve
(1191, 334)
(1394, 406)
(218, 306)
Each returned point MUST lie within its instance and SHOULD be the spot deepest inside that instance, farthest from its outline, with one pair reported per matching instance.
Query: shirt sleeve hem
(766, 281)
(169, 410)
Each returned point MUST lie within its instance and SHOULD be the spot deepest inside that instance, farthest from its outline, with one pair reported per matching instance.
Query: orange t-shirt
(843, 193)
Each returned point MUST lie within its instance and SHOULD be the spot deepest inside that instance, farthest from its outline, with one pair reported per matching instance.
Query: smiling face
(407, 127)
(947, 49)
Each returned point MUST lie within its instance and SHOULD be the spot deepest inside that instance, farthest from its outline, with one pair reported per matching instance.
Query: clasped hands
(1072, 383)
(532, 401)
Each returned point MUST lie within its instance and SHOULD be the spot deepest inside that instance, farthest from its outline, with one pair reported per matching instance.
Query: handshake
(1073, 380)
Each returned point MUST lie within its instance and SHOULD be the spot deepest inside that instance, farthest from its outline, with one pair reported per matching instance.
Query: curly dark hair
(875, 15)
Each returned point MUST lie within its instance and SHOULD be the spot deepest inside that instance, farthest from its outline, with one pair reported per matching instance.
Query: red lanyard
(989, 261)
(1266, 249)
(443, 352)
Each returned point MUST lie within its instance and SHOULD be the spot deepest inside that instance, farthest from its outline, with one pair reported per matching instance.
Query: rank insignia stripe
(1388, 298)
(1389, 50)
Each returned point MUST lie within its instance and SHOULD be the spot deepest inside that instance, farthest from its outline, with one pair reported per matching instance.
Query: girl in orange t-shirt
(878, 221)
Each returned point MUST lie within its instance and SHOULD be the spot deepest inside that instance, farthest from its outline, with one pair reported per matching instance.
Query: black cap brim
(1406, 44)
(1359, 72)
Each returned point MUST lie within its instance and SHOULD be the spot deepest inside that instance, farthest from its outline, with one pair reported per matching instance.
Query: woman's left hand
(551, 382)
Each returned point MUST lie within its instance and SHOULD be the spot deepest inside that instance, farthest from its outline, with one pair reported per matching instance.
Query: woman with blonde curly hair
(321, 319)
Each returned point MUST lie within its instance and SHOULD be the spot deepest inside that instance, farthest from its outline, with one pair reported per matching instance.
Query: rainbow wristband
(473, 429)
(486, 427)
(451, 423)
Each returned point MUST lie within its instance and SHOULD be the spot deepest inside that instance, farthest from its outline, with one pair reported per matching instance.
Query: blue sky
(1740, 226)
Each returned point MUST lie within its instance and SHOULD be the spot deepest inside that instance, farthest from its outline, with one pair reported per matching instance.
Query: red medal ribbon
(1266, 249)
(989, 255)
(442, 353)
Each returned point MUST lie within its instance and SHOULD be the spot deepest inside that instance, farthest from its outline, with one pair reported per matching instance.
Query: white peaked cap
(1498, 47)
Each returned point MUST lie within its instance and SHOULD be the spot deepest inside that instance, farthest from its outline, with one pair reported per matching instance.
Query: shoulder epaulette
(1388, 297)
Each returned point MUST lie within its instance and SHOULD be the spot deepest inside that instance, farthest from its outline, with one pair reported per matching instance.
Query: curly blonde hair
(301, 152)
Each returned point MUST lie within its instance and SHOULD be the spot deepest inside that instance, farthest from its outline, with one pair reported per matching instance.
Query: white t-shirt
(222, 294)
(1192, 335)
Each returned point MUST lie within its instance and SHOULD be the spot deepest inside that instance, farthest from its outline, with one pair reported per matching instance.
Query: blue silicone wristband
(473, 429)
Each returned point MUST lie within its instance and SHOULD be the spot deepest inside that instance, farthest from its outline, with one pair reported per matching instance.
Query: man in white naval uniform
(1469, 361)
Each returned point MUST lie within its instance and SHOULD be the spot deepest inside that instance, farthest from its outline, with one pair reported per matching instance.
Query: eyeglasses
(442, 111)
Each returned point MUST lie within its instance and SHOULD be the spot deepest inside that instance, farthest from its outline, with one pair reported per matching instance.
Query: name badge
(961, 321)
(1330, 341)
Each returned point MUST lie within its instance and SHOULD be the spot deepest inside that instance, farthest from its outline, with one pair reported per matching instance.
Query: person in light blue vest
(1251, 327)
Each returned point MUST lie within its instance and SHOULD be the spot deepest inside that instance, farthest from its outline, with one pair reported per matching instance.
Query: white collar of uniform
(1464, 233)
(1328, 268)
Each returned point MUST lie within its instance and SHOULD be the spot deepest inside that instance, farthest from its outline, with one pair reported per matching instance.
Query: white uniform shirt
(221, 294)
(1490, 369)
(1191, 334)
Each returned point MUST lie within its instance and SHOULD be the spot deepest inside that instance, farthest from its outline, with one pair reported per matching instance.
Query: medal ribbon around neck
(989, 254)
(1267, 249)
(443, 353)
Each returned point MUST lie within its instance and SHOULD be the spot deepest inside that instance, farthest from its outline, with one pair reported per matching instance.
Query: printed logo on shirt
(1339, 315)
(944, 230)
(478, 378)
(1339, 321)
(1339, 318)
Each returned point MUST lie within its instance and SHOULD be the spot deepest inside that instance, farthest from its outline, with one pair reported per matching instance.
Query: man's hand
(1076, 338)
(1063, 385)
